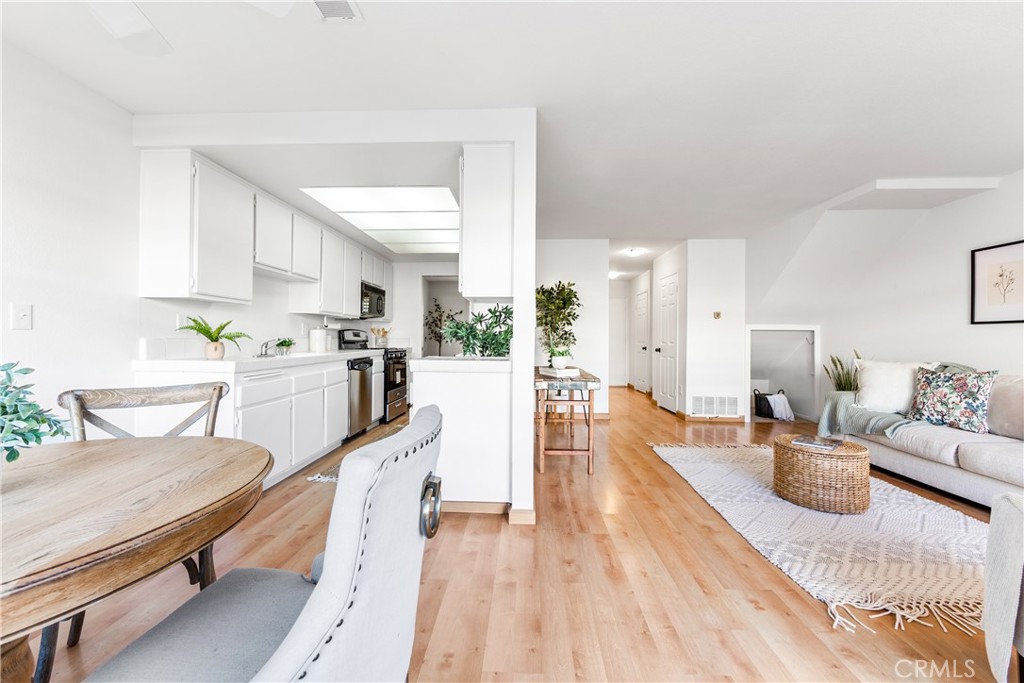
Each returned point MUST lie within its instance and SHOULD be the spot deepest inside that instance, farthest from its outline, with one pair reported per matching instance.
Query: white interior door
(641, 342)
(665, 350)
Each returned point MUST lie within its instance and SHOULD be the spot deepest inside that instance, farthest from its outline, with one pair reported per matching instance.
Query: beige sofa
(978, 467)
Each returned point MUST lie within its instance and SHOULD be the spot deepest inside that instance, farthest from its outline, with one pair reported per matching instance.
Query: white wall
(411, 299)
(584, 262)
(895, 285)
(715, 348)
(70, 219)
(618, 333)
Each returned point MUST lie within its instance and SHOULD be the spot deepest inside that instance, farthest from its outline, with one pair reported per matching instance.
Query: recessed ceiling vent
(338, 10)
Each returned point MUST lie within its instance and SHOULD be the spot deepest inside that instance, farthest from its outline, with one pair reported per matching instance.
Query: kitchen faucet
(265, 347)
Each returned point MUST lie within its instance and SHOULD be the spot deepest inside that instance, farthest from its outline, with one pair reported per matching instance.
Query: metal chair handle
(430, 506)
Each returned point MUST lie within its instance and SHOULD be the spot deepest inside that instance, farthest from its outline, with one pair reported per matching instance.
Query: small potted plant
(284, 346)
(488, 335)
(22, 422)
(214, 335)
(843, 374)
(557, 309)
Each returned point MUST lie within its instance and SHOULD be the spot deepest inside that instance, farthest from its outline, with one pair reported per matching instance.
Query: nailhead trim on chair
(362, 552)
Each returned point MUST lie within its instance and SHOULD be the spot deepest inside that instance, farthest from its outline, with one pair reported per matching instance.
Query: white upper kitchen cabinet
(338, 293)
(287, 243)
(195, 229)
(273, 234)
(305, 247)
(485, 230)
(372, 268)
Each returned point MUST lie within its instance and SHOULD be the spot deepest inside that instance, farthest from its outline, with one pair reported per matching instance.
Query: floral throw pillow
(955, 399)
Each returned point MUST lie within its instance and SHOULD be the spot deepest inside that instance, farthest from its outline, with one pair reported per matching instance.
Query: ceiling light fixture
(633, 252)
(361, 199)
(403, 220)
(612, 274)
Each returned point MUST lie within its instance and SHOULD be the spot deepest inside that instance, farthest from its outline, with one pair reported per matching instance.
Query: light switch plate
(21, 316)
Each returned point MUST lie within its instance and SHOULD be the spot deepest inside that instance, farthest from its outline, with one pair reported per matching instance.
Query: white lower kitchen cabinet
(295, 407)
(336, 412)
(307, 426)
(475, 398)
(268, 425)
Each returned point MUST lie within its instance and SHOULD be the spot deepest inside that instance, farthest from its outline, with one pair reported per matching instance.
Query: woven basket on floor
(830, 481)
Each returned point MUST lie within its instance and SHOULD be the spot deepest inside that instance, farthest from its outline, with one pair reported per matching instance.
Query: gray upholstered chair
(355, 624)
(81, 404)
(1003, 615)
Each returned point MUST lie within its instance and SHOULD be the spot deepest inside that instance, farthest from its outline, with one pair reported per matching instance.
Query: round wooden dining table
(83, 520)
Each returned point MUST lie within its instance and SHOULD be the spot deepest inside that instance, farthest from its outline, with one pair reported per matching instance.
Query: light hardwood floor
(627, 576)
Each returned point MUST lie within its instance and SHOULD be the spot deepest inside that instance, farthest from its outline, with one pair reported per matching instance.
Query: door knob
(657, 349)
(644, 348)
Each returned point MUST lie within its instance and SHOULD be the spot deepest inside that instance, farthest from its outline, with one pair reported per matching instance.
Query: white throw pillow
(887, 387)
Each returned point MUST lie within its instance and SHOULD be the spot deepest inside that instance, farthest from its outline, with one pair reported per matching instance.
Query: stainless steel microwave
(372, 305)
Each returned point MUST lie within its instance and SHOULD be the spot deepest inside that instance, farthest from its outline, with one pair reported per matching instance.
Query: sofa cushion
(885, 386)
(957, 399)
(1006, 407)
(1003, 461)
(937, 442)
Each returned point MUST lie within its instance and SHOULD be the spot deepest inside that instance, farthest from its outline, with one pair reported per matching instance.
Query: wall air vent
(338, 10)
(709, 406)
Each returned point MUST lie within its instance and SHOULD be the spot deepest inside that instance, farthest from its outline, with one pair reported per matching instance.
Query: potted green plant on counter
(214, 335)
(284, 346)
(557, 309)
(22, 421)
(487, 334)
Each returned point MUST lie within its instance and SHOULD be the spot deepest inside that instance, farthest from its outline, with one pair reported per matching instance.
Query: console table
(584, 383)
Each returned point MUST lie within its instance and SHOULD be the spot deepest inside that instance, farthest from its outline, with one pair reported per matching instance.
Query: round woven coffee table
(830, 481)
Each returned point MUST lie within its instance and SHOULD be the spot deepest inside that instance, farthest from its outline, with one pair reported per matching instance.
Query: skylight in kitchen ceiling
(407, 220)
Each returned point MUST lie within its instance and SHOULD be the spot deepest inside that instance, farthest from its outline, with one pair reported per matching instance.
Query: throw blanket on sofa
(841, 416)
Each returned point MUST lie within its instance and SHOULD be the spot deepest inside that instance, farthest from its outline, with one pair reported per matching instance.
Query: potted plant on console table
(557, 309)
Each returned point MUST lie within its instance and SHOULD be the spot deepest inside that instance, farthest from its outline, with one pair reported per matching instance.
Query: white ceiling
(656, 121)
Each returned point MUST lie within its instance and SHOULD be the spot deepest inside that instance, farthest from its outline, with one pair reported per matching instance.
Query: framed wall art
(997, 284)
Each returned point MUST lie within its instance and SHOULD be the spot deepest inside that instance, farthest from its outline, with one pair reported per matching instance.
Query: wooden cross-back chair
(80, 404)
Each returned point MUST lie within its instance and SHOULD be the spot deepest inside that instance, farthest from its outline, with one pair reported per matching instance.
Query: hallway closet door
(641, 342)
(665, 352)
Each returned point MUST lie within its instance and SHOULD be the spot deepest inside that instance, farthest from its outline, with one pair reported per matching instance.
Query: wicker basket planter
(830, 481)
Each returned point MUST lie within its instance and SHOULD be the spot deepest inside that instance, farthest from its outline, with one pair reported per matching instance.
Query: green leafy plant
(22, 421)
(557, 309)
(286, 343)
(843, 373)
(484, 334)
(214, 334)
(435, 320)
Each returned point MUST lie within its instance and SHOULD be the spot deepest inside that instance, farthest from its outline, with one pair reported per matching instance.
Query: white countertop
(242, 364)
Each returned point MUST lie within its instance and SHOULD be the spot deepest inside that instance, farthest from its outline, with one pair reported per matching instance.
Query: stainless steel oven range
(396, 389)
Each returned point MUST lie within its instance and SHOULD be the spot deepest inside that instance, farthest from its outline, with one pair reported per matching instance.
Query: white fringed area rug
(906, 556)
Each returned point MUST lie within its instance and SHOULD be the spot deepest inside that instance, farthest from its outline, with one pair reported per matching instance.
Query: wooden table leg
(590, 433)
(542, 399)
(16, 661)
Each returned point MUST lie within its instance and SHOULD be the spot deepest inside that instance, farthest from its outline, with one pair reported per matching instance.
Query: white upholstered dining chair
(356, 623)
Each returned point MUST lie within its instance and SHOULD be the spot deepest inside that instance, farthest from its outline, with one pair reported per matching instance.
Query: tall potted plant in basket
(557, 309)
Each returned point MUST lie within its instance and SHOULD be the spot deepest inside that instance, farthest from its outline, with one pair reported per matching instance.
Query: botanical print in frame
(997, 284)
